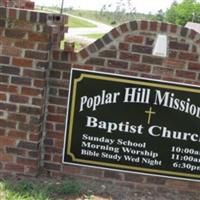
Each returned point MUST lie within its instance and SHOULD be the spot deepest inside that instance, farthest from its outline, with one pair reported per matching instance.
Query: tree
(160, 16)
(105, 12)
(171, 14)
(181, 13)
(120, 11)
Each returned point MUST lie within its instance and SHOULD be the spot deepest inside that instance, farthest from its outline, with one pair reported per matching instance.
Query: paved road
(74, 33)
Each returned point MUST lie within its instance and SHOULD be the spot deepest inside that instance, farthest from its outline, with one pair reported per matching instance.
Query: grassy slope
(95, 15)
(94, 35)
(107, 18)
(78, 23)
(33, 189)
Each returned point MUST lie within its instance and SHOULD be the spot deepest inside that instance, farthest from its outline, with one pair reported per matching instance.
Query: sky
(143, 6)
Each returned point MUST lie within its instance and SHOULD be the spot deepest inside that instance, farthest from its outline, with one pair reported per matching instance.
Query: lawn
(79, 23)
(34, 189)
(90, 14)
(43, 188)
(68, 188)
(94, 35)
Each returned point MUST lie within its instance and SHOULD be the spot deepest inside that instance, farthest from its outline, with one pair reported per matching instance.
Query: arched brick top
(127, 49)
(134, 27)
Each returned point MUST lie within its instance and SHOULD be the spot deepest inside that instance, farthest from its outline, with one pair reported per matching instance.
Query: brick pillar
(25, 47)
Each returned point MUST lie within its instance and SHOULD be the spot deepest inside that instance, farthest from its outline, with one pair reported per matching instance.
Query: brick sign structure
(34, 85)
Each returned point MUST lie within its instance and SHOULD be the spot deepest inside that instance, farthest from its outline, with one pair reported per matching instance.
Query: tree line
(124, 10)
(178, 13)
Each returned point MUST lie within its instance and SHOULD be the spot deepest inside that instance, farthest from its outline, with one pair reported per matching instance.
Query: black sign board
(133, 125)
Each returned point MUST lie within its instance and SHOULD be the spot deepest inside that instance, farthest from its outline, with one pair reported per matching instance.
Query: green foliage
(160, 16)
(171, 14)
(181, 13)
(68, 186)
(23, 190)
(38, 190)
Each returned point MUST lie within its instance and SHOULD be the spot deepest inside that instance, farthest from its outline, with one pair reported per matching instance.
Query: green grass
(38, 190)
(78, 23)
(89, 14)
(43, 188)
(94, 35)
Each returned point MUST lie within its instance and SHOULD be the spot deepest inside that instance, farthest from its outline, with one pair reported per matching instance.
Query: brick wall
(25, 4)
(34, 80)
(127, 50)
(26, 40)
